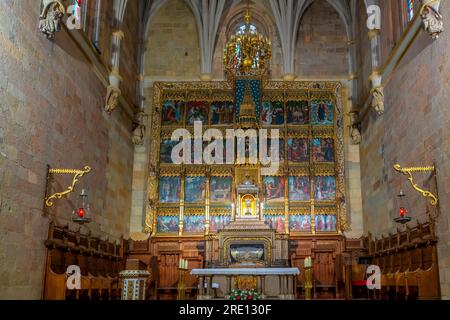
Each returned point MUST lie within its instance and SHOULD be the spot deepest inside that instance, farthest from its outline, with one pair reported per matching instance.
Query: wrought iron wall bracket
(77, 174)
(408, 173)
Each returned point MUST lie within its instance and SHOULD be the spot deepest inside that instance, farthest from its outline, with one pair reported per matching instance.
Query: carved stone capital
(51, 17)
(378, 100)
(432, 19)
(289, 77)
(112, 98)
(206, 77)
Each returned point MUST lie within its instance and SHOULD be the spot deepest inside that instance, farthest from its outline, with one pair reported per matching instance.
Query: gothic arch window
(242, 29)
(410, 8)
(96, 23)
(88, 15)
(79, 11)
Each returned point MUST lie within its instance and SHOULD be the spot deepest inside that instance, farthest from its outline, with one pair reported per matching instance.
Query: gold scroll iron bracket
(77, 174)
(408, 172)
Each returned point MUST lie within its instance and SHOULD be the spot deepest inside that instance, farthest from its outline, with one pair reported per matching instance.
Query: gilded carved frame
(223, 91)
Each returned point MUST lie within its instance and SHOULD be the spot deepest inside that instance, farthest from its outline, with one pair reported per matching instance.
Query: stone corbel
(377, 93)
(431, 17)
(139, 128)
(378, 100)
(113, 92)
(355, 132)
(51, 18)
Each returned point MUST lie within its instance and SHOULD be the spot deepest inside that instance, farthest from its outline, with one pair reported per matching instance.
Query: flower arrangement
(242, 295)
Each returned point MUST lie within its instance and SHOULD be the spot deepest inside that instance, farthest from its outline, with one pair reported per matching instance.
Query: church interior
(132, 139)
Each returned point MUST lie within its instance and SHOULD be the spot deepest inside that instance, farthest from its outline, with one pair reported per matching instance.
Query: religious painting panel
(298, 112)
(281, 149)
(275, 221)
(323, 150)
(169, 189)
(222, 113)
(298, 150)
(197, 111)
(168, 224)
(218, 143)
(325, 188)
(221, 189)
(322, 113)
(165, 152)
(204, 144)
(299, 188)
(274, 189)
(194, 189)
(326, 223)
(194, 224)
(272, 113)
(172, 113)
(300, 223)
(219, 222)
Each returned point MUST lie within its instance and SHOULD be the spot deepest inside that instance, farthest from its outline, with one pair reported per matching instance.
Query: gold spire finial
(248, 16)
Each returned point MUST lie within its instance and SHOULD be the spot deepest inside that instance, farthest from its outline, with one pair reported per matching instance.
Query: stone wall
(412, 132)
(51, 112)
(322, 49)
(173, 47)
(128, 55)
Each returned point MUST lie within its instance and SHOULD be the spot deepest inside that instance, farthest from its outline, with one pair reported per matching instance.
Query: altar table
(272, 283)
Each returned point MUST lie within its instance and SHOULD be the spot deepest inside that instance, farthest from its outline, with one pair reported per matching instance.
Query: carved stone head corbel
(51, 17)
(378, 100)
(139, 128)
(355, 132)
(431, 18)
(112, 98)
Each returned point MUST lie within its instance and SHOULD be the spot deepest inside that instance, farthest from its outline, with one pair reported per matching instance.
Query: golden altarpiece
(235, 213)
(304, 202)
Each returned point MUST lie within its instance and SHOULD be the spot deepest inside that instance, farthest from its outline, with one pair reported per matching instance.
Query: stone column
(263, 286)
(181, 213)
(228, 285)
(201, 287)
(209, 293)
(207, 202)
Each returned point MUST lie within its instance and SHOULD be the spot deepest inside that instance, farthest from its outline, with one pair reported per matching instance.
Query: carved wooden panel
(324, 268)
(168, 270)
